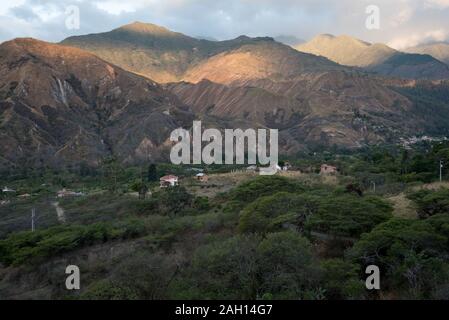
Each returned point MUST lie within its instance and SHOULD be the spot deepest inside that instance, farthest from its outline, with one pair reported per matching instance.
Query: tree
(349, 215)
(263, 186)
(411, 254)
(246, 267)
(430, 202)
(152, 173)
(341, 279)
(405, 157)
(287, 267)
(270, 213)
(112, 170)
(175, 200)
(140, 187)
(225, 269)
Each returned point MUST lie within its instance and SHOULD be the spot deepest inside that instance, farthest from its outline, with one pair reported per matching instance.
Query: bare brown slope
(145, 49)
(340, 108)
(167, 56)
(265, 59)
(63, 104)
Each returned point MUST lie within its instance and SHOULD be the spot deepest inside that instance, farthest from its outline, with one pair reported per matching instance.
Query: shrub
(349, 215)
(412, 254)
(28, 246)
(431, 202)
(270, 213)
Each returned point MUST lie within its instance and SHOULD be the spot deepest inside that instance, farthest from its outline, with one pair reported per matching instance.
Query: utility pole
(441, 170)
(374, 186)
(33, 215)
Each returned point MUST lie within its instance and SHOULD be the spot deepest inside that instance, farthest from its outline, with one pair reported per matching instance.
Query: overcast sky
(403, 23)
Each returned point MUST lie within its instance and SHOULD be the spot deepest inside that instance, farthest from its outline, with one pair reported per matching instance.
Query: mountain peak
(342, 39)
(145, 28)
(324, 36)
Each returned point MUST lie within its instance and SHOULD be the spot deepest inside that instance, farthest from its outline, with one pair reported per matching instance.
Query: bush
(341, 280)
(412, 254)
(287, 267)
(349, 215)
(431, 202)
(270, 213)
(108, 290)
(263, 186)
(221, 270)
(245, 267)
(28, 246)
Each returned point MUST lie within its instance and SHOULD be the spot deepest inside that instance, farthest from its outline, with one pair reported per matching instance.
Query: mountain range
(378, 57)
(122, 92)
(167, 56)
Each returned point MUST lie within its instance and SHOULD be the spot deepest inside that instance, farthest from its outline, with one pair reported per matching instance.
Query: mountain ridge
(438, 50)
(377, 57)
(172, 56)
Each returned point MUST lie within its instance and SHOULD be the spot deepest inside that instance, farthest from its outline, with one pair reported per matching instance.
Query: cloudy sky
(403, 23)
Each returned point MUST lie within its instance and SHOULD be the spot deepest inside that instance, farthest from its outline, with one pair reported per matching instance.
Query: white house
(67, 193)
(169, 181)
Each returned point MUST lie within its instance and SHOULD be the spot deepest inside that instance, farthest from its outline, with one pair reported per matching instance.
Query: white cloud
(8, 4)
(436, 3)
(413, 40)
(402, 17)
(402, 21)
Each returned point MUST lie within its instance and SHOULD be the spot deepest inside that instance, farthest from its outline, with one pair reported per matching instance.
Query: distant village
(167, 181)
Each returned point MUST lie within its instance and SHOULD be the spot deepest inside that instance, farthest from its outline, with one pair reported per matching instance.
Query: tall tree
(152, 173)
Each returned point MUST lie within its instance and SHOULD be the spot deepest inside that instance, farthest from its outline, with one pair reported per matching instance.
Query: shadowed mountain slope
(62, 104)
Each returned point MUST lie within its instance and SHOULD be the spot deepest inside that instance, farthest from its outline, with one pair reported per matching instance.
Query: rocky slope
(61, 104)
(340, 108)
(330, 108)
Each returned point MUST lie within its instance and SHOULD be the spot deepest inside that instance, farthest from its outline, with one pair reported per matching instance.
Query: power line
(33, 215)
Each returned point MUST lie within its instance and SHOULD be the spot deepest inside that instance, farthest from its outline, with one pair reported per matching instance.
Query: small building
(67, 193)
(169, 181)
(6, 189)
(252, 169)
(328, 169)
(202, 177)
